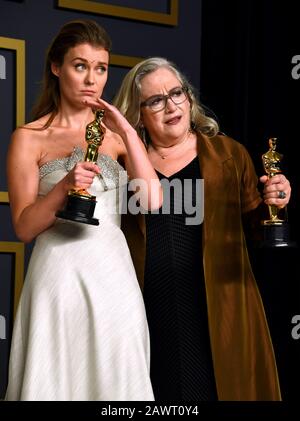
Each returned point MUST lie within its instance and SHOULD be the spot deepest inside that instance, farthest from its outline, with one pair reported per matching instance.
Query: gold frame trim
(4, 197)
(124, 61)
(18, 45)
(124, 12)
(18, 250)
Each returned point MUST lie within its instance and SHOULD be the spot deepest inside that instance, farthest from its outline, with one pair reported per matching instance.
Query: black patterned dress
(175, 299)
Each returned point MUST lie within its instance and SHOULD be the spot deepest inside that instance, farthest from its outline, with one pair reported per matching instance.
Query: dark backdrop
(246, 80)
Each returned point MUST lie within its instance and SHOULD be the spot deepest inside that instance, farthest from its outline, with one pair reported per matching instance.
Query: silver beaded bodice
(110, 169)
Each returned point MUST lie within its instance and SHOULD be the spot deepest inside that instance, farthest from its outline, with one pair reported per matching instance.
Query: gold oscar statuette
(275, 229)
(81, 204)
(271, 163)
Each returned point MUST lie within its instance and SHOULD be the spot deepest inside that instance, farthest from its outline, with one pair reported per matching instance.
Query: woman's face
(83, 73)
(173, 121)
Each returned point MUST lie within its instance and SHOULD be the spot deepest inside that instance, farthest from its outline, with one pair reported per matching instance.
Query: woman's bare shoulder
(31, 128)
(28, 138)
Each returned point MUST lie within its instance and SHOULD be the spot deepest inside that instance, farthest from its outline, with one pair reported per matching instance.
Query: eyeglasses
(159, 102)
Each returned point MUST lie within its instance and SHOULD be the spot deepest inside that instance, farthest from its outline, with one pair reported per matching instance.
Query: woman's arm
(134, 155)
(31, 213)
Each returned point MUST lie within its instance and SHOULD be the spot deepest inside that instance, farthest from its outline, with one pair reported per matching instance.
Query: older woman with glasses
(208, 331)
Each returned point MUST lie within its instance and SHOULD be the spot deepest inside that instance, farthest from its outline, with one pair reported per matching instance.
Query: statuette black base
(79, 209)
(276, 235)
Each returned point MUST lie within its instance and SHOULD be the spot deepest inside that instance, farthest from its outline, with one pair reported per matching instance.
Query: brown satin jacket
(242, 351)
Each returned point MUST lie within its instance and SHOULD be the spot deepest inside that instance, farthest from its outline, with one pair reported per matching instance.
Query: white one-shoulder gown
(81, 332)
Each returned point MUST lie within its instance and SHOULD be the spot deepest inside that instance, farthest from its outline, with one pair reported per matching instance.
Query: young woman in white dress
(80, 332)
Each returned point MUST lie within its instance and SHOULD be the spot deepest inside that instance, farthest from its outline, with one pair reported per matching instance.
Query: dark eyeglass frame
(148, 102)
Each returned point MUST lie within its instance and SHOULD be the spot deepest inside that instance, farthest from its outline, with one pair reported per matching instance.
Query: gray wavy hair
(128, 98)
